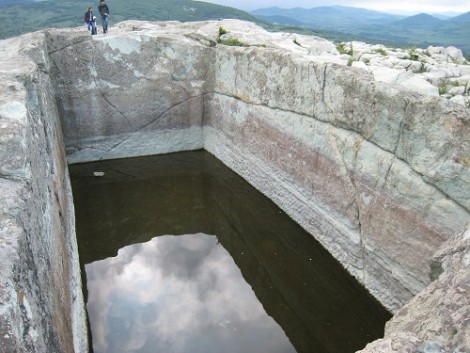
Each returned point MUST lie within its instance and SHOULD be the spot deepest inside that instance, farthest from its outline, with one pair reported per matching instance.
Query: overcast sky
(177, 294)
(392, 6)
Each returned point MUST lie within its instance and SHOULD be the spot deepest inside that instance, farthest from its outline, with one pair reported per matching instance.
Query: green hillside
(28, 17)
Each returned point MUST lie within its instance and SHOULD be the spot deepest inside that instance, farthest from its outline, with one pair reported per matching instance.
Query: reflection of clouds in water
(177, 294)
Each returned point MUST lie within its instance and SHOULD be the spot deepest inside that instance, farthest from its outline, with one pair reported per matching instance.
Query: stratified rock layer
(379, 174)
(438, 318)
(41, 303)
(376, 173)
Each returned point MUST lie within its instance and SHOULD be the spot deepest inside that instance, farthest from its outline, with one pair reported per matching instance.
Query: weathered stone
(395, 343)
(460, 100)
(454, 91)
(334, 120)
(434, 76)
(139, 96)
(448, 299)
(405, 79)
(438, 318)
(376, 171)
(437, 65)
(41, 304)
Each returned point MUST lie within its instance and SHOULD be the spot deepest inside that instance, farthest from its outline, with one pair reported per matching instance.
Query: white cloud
(178, 294)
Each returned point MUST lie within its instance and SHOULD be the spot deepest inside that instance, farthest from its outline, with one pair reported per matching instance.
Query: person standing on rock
(90, 20)
(104, 12)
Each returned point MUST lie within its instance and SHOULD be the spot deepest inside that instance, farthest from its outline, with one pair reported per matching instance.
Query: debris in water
(98, 174)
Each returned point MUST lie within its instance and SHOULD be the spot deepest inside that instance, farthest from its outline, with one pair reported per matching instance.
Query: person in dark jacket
(90, 20)
(104, 12)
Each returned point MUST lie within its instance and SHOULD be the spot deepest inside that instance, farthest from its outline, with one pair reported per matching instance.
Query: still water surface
(177, 294)
(180, 254)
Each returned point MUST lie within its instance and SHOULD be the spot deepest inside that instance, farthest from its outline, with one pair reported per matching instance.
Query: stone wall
(437, 319)
(41, 304)
(130, 95)
(366, 169)
(378, 174)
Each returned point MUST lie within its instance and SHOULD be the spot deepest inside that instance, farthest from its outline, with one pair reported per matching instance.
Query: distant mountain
(20, 18)
(4, 2)
(423, 30)
(336, 18)
(462, 18)
(443, 16)
(420, 30)
(281, 20)
(421, 20)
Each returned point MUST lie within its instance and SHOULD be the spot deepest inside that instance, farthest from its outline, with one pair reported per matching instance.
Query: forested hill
(22, 16)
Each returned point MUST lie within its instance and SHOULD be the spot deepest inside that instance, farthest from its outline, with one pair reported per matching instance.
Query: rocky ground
(432, 71)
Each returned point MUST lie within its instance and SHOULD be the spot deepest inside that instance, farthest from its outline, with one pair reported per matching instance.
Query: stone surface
(148, 93)
(41, 304)
(438, 318)
(359, 157)
(403, 78)
(377, 171)
(430, 71)
(449, 329)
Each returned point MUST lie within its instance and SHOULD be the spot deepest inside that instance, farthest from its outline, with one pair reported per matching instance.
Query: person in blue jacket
(104, 12)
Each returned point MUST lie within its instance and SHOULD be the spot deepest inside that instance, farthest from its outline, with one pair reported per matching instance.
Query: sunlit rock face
(377, 171)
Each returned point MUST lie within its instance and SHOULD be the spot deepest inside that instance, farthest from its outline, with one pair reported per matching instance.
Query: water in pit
(180, 254)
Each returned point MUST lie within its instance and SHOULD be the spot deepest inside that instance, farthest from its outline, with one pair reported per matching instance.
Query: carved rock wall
(129, 95)
(378, 174)
(41, 304)
(348, 158)
(438, 318)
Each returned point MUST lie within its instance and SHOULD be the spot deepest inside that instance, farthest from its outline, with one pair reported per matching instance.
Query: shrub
(222, 31)
(234, 42)
(343, 50)
(423, 68)
(381, 51)
(231, 42)
(442, 89)
(412, 54)
(340, 48)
